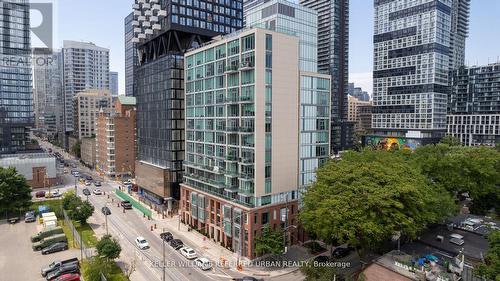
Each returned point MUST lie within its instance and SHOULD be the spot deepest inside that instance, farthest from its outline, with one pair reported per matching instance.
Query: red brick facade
(253, 220)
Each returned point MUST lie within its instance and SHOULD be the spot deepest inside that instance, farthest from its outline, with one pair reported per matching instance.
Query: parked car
(13, 220)
(89, 178)
(126, 205)
(176, 244)
(141, 243)
(56, 264)
(47, 241)
(29, 216)
(203, 263)
(56, 247)
(167, 236)
(64, 269)
(341, 252)
(86, 192)
(322, 259)
(247, 278)
(88, 183)
(40, 194)
(97, 183)
(457, 241)
(68, 277)
(106, 211)
(46, 233)
(188, 253)
(53, 194)
(97, 191)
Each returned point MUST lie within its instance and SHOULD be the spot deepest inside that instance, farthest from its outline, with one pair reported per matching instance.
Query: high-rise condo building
(16, 93)
(257, 128)
(164, 30)
(474, 105)
(131, 59)
(48, 92)
(415, 44)
(333, 59)
(86, 66)
(113, 83)
(294, 19)
(86, 108)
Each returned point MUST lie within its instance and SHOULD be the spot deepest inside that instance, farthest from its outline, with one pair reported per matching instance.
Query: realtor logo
(42, 23)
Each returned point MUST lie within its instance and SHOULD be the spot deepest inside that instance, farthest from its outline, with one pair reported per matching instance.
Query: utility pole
(163, 252)
(106, 216)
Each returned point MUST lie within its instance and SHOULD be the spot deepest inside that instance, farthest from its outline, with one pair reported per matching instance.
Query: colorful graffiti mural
(388, 143)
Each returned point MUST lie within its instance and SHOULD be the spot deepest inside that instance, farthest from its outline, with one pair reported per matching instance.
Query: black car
(176, 244)
(69, 268)
(247, 278)
(89, 178)
(106, 211)
(126, 205)
(167, 236)
(322, 259)
(56, 247)
(86, 192)
(341, 252)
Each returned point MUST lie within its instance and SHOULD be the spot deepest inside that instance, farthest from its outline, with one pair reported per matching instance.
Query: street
(129, 224)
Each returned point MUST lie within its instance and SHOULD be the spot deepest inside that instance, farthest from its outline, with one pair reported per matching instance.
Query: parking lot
(17, 259)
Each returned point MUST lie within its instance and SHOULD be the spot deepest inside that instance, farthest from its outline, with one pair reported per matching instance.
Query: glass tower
(131, 59)
(16, 93)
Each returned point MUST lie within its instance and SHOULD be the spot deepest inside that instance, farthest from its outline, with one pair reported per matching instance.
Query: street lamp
(163, 252)
(106, 216)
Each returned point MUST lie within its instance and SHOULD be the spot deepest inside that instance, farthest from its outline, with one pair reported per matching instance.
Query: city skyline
(88, 20)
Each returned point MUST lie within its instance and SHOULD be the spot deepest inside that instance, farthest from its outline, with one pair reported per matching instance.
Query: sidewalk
(210, 249)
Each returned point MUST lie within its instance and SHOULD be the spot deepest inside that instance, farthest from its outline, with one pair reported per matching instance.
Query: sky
(102, 22)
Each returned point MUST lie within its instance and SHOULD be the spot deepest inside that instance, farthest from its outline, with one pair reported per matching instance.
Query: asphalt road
(127, 226)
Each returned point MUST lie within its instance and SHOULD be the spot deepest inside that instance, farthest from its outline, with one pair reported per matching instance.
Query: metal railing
(77, 239)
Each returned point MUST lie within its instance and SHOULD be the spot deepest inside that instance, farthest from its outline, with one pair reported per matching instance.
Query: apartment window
(248, 43)
(269, 42)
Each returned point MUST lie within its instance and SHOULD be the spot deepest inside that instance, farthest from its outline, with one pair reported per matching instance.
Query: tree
(93, 268)
(108, 247)
(368, 196)
(82, 212)
(315, 272)
(269, 241)
(475, 170)
(491, 268)
(451, 141)
(15, 193)
(76, 149)
(71, 201)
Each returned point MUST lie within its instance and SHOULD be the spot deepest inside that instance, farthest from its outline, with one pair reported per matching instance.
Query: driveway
(17, 260)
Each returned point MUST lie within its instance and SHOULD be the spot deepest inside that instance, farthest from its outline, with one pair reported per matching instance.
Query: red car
(40, 194)
(68, 277)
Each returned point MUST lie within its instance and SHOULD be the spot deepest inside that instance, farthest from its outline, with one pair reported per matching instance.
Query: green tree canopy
(314, 272)
(368, 196)
(464, 169)
(491, 268)
(71, 201)
(108, 247)
(269, 241)
(15, 193)
(82, 212)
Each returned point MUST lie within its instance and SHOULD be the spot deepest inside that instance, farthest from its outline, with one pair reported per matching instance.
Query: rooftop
(26, 156)
(124, 100)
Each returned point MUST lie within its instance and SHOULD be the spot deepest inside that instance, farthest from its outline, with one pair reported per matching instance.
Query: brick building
(115, 139)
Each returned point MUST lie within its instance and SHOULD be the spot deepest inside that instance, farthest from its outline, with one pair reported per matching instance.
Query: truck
(46, 233)
(64, 269)
(47, 241)
(56, 264)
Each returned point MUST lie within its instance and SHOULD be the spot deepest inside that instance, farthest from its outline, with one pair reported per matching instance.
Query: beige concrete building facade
(251, 119)
(358, 112)
(86, 108)
(88, 151)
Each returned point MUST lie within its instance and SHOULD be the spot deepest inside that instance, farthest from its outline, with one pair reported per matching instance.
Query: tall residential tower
(16, 93)
(86, 67)
(333, 59)
(163, 31)
(416, 43)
